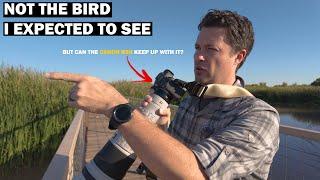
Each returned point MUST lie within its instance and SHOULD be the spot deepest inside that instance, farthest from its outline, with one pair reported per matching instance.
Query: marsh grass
(132, 89)
(32, 109)
(301, 96)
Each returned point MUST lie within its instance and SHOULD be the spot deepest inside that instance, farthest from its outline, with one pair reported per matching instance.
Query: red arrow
(145, 76)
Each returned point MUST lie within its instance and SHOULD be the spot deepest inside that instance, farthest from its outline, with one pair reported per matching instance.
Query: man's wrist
(108, 112)
(121, 114)
(134, 115)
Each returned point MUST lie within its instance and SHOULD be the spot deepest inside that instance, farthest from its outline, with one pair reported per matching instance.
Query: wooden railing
(300, 132)
(61, 166)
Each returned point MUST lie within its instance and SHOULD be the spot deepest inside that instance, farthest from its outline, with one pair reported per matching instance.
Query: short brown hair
(239, 30)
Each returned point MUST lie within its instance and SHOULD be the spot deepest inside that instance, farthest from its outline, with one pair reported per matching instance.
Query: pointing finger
(64, 76)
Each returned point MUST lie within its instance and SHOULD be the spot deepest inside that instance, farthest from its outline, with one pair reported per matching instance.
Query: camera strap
(225, 91)
(216, 90)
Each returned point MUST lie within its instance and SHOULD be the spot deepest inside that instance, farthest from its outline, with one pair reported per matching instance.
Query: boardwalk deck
(97, 134)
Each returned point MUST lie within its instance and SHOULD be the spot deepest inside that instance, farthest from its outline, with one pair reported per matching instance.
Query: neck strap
(225, 91)
(216, 90)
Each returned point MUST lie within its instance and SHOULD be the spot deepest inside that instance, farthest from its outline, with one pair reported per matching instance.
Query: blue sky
(286, 45)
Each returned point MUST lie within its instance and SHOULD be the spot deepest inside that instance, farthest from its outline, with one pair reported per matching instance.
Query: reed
(32, 110)
(302, 96)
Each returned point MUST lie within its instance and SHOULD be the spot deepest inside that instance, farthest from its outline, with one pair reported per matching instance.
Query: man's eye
(213, 49)
(197, 47)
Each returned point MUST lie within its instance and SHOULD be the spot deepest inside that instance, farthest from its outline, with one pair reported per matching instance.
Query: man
(214, 138)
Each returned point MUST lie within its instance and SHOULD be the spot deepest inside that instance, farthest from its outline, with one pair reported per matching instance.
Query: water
(33, 163)
(297, 158)
(307, 119)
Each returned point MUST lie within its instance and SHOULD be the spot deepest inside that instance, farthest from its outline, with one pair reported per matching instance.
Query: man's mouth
(200, 69)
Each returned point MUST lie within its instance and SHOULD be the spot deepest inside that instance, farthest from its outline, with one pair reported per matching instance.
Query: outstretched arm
(164, 155)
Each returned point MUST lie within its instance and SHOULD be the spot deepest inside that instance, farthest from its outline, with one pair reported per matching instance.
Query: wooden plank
(62, 162)
(98, 135)
(300, 132)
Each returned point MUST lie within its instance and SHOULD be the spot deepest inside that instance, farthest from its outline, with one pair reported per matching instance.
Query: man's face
(214, 60)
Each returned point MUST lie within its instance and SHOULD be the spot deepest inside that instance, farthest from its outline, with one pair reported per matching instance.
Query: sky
(286, 45)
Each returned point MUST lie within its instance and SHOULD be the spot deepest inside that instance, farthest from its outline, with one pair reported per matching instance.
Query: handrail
(300, 132)
(61, 165)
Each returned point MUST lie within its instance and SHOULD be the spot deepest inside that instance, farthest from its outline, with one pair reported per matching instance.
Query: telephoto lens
(116, 157)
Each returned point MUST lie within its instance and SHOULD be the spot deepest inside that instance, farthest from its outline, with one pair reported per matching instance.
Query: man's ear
(240, 56)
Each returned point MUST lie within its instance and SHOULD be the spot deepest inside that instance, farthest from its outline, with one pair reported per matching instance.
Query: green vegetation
(316, 82)
(302, 96)
(33, 110)
(129, 89)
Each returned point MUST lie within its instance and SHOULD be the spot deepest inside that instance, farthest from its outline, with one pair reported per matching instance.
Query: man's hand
(89, 93)
(164, 114)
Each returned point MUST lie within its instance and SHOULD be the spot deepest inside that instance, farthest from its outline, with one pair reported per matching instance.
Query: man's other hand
(89, 93)
(164, 114)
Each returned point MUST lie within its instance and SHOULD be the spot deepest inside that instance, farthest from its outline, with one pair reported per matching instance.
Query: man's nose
(199, 56)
